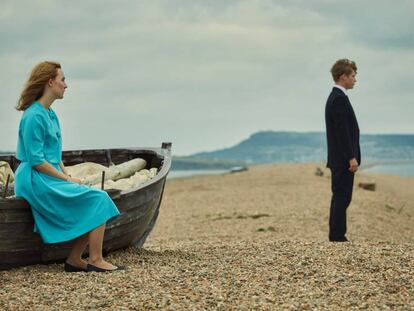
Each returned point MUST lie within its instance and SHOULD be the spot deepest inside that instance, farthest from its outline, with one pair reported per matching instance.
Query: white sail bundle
(123, 176)
(5, 170)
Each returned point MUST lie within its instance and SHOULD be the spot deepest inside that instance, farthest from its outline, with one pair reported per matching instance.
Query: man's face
(348, 81)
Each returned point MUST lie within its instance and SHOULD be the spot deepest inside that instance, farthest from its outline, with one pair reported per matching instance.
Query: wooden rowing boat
(139, 208)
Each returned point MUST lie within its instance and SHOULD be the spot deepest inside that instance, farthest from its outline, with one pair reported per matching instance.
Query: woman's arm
(62, 166)
(48, 169)
(34, 134)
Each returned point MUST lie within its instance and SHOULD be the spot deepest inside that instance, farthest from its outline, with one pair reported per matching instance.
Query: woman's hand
(74, 179)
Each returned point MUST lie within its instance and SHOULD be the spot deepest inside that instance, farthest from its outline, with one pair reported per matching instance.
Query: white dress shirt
(341, 88)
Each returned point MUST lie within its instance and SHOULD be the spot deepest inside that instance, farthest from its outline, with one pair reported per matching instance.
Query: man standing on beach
(344, 155)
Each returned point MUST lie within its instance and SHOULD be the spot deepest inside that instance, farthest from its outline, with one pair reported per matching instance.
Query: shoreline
(364, 168)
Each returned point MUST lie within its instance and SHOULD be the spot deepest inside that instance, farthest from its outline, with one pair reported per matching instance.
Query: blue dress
(62, 210)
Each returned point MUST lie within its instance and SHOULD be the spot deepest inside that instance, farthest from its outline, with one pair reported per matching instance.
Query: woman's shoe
(92, 268)
(70, 268)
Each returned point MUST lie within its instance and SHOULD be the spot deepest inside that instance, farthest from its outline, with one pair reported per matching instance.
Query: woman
(62, 208)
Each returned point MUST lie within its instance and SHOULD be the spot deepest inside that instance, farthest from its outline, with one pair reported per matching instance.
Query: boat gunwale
(163, 153)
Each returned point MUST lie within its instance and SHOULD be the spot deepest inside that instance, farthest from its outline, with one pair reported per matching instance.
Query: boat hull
(139, 208)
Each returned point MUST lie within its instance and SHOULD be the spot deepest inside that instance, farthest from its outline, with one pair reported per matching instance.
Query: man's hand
(353, 165)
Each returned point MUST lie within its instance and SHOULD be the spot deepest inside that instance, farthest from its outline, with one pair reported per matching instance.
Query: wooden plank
(9, 260)
(13, 230)
(14, 215)
(17, 244)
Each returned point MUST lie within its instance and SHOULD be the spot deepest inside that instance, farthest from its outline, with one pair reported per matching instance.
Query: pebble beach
(250, 240)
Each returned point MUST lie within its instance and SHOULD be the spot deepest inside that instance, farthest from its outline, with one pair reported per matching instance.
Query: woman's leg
(79, 246)
(95, 249)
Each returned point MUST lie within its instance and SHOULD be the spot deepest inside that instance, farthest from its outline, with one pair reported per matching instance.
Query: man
(344, 155)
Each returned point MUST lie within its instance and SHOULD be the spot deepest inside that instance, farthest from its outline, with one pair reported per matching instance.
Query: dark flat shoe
(70, 268)
(92, 268)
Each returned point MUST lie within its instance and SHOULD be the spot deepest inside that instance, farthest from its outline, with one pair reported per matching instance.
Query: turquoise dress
(62, 210)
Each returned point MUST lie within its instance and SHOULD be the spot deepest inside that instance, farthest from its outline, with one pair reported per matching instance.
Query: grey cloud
(204, 74)
(380, 24)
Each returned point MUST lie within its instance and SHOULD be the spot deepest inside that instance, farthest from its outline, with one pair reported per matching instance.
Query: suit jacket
(342, 131)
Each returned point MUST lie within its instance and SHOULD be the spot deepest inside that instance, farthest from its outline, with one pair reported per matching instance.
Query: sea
(188, 173)
(399, 169)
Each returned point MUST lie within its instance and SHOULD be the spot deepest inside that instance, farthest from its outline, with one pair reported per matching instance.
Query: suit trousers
(342, 183)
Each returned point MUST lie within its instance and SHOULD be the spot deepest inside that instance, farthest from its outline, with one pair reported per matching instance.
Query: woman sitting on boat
(62, 208)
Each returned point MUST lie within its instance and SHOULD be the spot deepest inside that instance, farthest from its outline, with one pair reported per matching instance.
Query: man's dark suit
(342, 133)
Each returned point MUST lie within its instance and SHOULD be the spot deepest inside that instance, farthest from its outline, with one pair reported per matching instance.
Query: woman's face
(58, 84)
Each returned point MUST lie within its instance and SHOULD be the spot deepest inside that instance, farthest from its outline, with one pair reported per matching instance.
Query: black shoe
(70, 268)
(344, 239)
(92, 268)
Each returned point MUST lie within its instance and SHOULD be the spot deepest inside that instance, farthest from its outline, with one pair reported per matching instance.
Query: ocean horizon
(404, 169)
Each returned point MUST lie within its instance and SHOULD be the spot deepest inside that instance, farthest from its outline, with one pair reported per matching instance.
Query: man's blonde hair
(342, 66)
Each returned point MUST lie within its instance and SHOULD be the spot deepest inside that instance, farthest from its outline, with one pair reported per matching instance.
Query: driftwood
(371, 186)
(237, 169)
(116, 172)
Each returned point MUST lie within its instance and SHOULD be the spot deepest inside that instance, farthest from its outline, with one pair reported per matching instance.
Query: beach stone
(318, 172)
(371, 186)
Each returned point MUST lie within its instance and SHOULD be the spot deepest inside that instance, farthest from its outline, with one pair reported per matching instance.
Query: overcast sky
(206, 74)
